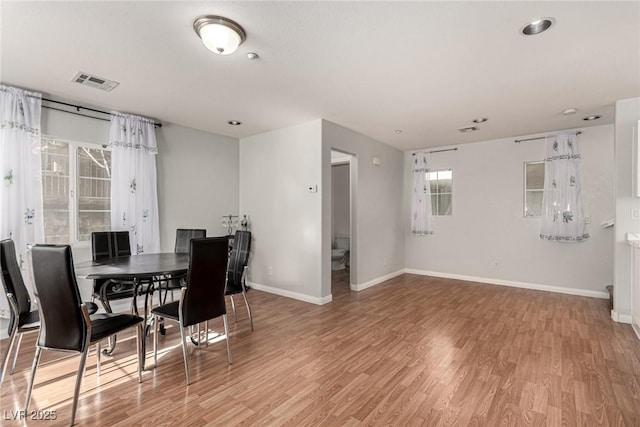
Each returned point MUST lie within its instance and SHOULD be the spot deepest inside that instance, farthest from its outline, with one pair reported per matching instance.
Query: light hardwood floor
(411, 351)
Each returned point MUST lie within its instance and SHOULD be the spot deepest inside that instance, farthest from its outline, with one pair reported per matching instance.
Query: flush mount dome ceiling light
(220, 35)
(537, 26)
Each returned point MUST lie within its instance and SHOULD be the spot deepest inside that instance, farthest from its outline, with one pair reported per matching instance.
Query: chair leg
(155, 339)
(206, 333)
(185, 353)
(36, 359)
(15, 353)
(5, 358)
(139, 338)
(233, 307)
(226, 335)
(246, 302)
(98, 358)
(76, 392)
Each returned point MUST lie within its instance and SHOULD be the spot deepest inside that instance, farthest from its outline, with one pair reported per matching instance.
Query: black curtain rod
(79, 107)
(518, 141)
(438, 151)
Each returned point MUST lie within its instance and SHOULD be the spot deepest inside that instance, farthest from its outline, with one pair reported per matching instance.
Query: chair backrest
(101, 245)
(121, 245)
(110, 244)
(12, 281)
(184, 236)
(62, 323)
(238, 259)
(204, 297)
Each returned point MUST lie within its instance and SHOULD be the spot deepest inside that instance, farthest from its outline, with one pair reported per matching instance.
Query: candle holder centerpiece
(230, 222)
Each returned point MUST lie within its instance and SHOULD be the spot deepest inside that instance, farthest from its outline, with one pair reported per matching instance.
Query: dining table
(142, 270)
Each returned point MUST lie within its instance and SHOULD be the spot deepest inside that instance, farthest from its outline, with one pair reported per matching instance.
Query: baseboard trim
(291, 294)
(621, 318)
(511, 283)
(636, 329)
(376, 281)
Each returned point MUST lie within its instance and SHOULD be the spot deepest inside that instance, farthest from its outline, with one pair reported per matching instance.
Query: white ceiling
(427, 68)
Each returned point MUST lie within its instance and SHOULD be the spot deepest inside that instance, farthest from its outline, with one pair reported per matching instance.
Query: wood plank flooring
(412, 351)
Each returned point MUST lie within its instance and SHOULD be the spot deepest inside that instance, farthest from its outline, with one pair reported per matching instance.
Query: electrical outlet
(269, 270)
(587, 219)
(496, 265)
(635, 214)
(384, 261)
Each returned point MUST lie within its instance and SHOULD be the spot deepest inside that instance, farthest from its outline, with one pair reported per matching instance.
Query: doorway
(341, 222)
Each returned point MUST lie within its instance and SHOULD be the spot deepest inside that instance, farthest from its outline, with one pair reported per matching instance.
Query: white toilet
(340, 253)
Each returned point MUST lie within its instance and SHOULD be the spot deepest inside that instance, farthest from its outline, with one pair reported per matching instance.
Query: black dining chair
(66, 324)
(22, 319)
(183, 245)
(105, 245)
(237, 270)
(202, 297)
(184, 236)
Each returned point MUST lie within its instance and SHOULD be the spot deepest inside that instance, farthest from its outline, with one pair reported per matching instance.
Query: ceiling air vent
(469, 129)
(94, 81)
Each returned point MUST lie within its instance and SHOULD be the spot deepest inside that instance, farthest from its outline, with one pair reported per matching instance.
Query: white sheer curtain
(21, 187)
(134, 196)
(421, 217)
(562, 215)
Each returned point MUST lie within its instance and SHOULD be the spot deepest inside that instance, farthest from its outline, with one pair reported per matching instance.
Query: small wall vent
(87, 79)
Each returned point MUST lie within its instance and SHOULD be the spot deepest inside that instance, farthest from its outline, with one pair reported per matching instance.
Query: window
(533, 188)
(76, 185)
(441, 192)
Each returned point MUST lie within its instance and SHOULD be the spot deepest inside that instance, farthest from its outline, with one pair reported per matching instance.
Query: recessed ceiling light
(480, 120)
(537, 26)
(234, 122)
(589, 118)
(398, 131)
(253, 55)
(569, 111)
(469, 129)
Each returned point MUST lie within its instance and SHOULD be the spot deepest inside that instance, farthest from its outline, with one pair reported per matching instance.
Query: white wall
(341, 200)
(627, 116)
(276, 169)
(377, 240)
(488, 226)
(198, 181)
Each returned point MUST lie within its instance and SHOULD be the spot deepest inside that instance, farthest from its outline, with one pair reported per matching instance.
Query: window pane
(56, 226)
(444, 204)
(90, 221)
(55, 191)
(533, 203)
(94, 191)
(445, 184)
(446, 174)
(534, 176)
(441, 183)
